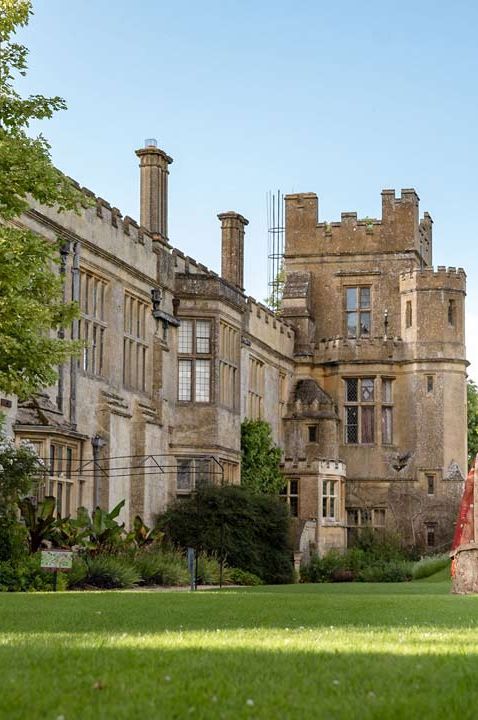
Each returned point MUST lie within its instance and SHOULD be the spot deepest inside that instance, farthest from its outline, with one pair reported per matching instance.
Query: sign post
(55, 561)
(192, 566)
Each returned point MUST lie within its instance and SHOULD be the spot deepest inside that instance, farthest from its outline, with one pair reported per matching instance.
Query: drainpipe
(75, 296)
(64, 251)
(97, 443)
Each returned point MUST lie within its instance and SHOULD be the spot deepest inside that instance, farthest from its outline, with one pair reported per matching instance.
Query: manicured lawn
(324, 651)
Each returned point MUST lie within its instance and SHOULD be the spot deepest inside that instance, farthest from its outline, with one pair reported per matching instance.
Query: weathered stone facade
(382, 335)
(361, 376)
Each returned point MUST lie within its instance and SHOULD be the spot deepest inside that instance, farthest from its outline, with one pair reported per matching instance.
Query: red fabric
(464, 530)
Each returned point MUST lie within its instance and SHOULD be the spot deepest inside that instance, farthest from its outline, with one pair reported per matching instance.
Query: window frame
(355, 528)
(290, 495)
(387, 405)
(61, 477)
(229, 353)
(196, 468)
(92, 323)
(135, 345)
(329, 496)
(358, 309)
(359, 404)
(197, 359)
(256, 388)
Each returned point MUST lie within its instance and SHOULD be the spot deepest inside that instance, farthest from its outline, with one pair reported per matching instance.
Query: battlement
(267, 316)
(428, 278)
(113, 217)
(321, 466)
(100, 226)
(186, 265)
(398, 230)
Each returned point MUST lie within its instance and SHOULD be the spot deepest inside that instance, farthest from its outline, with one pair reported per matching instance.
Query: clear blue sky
(342, 99)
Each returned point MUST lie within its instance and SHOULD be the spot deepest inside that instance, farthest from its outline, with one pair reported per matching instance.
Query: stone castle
(362, 374)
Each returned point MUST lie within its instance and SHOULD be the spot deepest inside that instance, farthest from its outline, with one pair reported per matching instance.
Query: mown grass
(323, 651)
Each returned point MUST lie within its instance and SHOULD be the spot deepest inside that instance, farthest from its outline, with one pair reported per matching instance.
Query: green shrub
(323, 569)
(167, 567)
(429, 566)
(249, 531)
(394, 571)
(236, 576)
(78, 574)
(209, 570)
(373, 559)
(13, 540)
(343, 576)
(381, 547)
(105, 571)
(26, 576)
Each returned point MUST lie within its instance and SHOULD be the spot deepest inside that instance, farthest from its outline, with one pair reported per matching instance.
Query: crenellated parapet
(100, 228)
(263, 324)
(321, 466)
(269, 317)
(398, 230)
(443, 278)
(111, 216)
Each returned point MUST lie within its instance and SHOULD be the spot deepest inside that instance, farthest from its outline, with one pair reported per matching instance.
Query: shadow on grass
(54, 679)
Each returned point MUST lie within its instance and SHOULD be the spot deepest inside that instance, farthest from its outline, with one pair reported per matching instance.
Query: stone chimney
(232, 247)
(154, 189)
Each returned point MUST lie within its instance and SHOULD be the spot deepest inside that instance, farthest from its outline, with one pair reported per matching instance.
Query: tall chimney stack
(232, 247)
(154, 172)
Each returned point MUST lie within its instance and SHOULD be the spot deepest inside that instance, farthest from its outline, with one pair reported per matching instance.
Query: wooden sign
(54, 560)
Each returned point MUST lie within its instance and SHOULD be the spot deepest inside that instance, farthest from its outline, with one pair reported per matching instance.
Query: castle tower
(232, 247)
(433, 329)
(154, 189)
(383, 336)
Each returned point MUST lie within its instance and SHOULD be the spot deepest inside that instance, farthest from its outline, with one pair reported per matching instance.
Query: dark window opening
(408, 314)
(430, 534)
(430, 484)
(313, 433)
(451, 312)
(429, 383)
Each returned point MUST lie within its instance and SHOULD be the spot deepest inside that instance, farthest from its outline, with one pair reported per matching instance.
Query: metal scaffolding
(275, 248)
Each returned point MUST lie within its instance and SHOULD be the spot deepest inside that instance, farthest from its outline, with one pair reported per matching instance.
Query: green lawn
(324, 651)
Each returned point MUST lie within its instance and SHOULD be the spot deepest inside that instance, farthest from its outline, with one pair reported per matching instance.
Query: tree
(274, 300)
(247, 530)
(20, 466)
(472, 407)
(260, 471)
(31, 296)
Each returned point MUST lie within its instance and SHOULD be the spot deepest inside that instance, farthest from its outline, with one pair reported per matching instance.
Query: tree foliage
(247, 530)
(31, 298)
(274, 299)
(19, 467)
(472, 406)
(260, 471)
